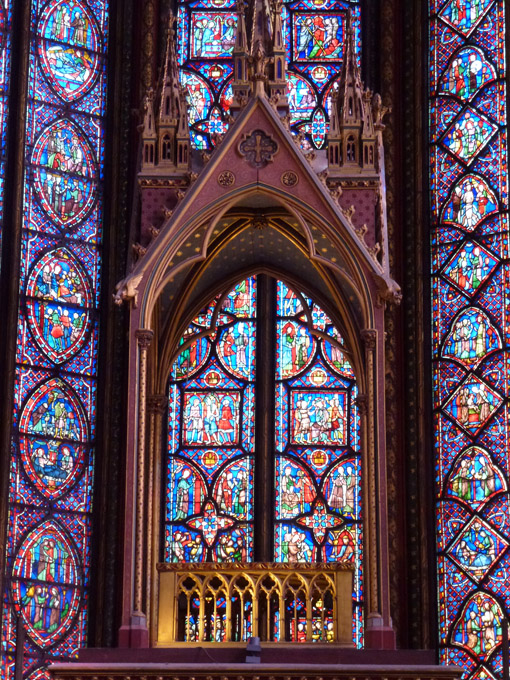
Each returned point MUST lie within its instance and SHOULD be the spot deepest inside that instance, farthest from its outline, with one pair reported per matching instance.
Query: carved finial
(361, 231)
(336, 192)
(349, 212)
(374, 250)
(138, 250)
(379, 111)
(323, 176)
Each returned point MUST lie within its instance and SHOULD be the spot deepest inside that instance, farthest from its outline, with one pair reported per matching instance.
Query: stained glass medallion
(477, 548)
(213, 34)
(317, 37)
(64, 173)
(53, 434)
(481, 613)
(69, 50)
(467, 72)
(468, 135)
(472, 337)
(464, 16)
(475, 479)
(472, 404)
(58, 304)
(46, 583)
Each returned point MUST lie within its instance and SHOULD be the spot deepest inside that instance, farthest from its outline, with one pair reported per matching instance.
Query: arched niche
(249, 233)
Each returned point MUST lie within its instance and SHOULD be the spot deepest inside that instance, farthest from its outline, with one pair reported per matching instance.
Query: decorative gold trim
(266, 587)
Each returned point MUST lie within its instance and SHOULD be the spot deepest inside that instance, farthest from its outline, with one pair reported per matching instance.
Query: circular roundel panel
(64, 173)
(59, 305)
(53, 438)
(45, 580)
(69, 49)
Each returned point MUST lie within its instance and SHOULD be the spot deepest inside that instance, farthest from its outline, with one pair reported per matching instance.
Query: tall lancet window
(470, 303)
(314, 36)
(5, 68)
(54, 419)
(262, 394)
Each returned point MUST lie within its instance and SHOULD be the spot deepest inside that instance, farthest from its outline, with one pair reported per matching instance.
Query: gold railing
(213, 603)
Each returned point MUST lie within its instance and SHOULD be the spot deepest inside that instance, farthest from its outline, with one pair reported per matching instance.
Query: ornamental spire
(352, 142)
(260, 61)
(166, 140)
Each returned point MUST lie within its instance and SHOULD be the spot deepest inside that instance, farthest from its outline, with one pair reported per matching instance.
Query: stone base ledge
(247, 671)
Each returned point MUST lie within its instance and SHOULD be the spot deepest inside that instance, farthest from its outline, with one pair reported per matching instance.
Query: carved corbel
(127, 289)
(391, 293)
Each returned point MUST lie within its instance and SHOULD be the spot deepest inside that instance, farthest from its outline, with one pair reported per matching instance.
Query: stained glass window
(314, 36)
(48, 552)
(213, 450)
(5, 64)
(470, 301)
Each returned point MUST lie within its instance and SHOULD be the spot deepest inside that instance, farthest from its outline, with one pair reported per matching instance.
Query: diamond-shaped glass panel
(470, 267)
(472, 404)
(464, 17)
(468, 135)
(477, 548)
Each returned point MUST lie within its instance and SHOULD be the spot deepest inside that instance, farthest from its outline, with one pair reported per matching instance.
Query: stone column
(139, 618)
(379, 633)
(156, 406)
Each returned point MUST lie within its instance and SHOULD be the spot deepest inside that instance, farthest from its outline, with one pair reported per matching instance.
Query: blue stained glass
(5, 68)
(209, 506)
(212, 447)
(48, 552)
(314, 35)
(318, 475)
(469, 189)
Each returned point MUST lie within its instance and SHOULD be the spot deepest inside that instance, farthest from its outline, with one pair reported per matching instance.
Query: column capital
(144, 337)
(361, 402)
(369, 337)
(156, 403)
